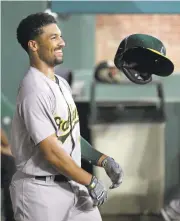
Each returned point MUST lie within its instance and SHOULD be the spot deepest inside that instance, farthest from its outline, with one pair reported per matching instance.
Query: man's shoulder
(34, 84)
(34, 80)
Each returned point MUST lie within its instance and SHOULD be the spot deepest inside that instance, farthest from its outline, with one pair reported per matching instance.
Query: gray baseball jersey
(41, 110)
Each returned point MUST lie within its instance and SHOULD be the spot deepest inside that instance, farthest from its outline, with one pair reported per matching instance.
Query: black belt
(57, 178)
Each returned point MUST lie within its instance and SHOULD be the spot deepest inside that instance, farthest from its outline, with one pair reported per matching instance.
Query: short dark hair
(30, 27)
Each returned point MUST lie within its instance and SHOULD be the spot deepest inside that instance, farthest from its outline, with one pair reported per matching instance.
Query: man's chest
(65, 113)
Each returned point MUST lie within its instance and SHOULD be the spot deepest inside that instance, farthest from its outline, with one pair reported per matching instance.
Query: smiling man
(50, 184)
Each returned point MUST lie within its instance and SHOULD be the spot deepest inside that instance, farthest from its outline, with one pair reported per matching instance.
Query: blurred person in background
(106, 72)
(8, 168)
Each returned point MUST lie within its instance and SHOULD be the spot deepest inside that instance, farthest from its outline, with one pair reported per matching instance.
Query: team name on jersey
(64, 126)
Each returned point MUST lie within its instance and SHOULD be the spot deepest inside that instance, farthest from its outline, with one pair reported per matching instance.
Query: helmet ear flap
(133, 74)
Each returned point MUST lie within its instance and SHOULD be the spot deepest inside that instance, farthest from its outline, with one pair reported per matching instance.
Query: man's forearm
(90, 154)
(59, 159)
(69, 168)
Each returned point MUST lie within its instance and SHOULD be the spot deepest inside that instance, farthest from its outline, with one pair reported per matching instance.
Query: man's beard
(51, 62)
(58, 61)
(54, 62)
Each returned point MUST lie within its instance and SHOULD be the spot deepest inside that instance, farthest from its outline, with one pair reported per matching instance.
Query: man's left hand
(114, 171)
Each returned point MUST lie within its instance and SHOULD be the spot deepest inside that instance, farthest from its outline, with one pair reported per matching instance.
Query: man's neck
(45, 69)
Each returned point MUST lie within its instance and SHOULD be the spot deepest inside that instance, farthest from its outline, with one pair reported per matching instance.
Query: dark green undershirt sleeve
(88, 153)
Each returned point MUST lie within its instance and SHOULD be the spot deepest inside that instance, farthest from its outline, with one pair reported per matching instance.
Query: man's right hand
(97, 191)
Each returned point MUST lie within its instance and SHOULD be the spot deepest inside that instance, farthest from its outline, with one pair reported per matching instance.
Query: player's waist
(55, 178)
(46, 178)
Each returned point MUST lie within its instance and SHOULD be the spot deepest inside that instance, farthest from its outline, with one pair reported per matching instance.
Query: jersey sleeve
(36, 113)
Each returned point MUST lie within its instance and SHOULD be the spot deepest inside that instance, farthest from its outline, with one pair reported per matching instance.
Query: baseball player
(50, 184)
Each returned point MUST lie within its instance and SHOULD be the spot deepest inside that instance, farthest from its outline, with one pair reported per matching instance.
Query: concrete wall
(14, 60)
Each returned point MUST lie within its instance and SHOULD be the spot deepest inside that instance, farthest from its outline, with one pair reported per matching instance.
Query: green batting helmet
(140, 55)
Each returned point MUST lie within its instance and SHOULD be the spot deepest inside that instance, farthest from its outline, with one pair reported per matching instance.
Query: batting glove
(97, 191)
(114, 171)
